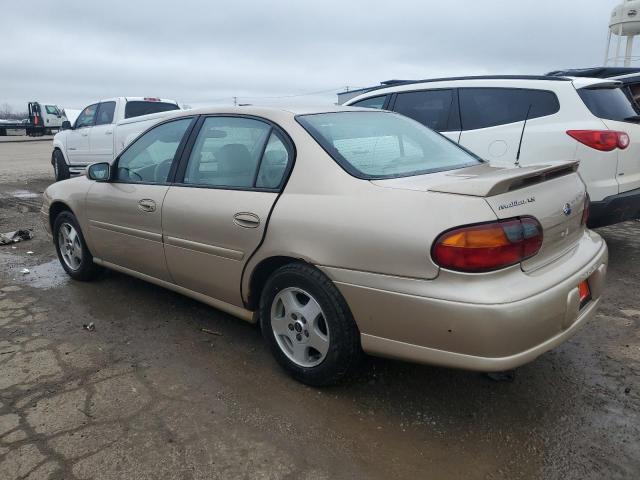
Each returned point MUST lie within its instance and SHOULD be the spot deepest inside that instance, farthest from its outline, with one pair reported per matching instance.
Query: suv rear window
(489, 107)
(608, 103)
(136, 108)
(377, 145)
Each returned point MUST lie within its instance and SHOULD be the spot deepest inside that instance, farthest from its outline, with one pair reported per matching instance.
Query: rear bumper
(487, 332)
(615, 209)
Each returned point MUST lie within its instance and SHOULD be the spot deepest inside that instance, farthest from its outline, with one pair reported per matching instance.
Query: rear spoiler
(502, 180)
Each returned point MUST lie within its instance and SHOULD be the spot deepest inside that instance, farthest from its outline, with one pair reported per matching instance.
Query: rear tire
(72, 250)
(60, 167)
(301, 309)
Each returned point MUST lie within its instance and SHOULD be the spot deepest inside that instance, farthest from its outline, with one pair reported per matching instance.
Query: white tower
(625, 21)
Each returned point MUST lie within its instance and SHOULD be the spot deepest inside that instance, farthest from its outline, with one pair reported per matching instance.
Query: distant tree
(7, 113)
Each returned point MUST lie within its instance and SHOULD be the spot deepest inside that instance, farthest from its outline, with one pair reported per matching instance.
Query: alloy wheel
(299, 327)
(70, 246)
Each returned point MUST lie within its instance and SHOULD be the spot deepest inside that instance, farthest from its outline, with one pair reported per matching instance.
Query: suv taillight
(603, 140)
(488, 246)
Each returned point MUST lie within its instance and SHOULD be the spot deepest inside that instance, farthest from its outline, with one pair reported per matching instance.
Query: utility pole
(235, 101)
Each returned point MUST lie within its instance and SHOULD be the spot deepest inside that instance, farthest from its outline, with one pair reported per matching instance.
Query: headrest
(234, 158)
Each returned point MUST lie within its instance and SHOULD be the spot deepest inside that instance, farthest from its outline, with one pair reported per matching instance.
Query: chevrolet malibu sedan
(342, 231)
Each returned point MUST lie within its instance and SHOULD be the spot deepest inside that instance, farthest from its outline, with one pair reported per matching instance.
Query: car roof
(265, 111)
(503, 81)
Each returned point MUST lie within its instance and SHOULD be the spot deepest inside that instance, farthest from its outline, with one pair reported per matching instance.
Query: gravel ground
(148, 395)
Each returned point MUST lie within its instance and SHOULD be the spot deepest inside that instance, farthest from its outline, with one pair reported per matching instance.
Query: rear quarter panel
(329, 218)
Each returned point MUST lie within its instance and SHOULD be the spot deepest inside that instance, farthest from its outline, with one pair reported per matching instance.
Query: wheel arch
(55, 209)
(58, 146)
(262, 271)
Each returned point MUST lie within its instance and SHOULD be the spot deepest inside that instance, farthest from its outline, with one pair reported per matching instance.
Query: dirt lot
(148, 395)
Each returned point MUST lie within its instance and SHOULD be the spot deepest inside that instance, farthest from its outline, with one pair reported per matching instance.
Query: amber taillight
(488, 246)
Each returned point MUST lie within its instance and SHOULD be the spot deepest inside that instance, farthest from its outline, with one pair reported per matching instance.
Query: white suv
(587, 119)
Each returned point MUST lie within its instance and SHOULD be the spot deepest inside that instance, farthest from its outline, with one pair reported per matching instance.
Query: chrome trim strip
(204, 248)
(134, 232)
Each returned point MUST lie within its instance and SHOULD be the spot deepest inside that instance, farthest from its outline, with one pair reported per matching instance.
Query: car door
(492, 120)
(101, 135)
(215, 216)
(125, 214)
(436, 109)
(78, 137)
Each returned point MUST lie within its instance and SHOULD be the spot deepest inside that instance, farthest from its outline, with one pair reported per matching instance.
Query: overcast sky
(199, 51)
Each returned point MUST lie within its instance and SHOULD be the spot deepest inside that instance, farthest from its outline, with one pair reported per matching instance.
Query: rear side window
(489, 107)
(236, 152)
(137, 108)
(105, 113)
(432, 108)
(608, 103)
(373, 102)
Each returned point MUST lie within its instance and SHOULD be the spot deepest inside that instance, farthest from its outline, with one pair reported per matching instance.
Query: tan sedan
(342, 230)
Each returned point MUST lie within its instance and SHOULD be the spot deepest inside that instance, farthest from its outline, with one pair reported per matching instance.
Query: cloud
(73, 53)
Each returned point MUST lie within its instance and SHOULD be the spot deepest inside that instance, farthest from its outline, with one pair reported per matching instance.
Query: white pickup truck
(102, 130)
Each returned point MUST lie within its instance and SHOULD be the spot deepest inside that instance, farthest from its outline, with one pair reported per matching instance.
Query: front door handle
(246, 220)
(147, 205)
(84, 134)
(108, 132)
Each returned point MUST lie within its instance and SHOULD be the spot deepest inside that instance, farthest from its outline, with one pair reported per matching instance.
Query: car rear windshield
(137, 108)
(608, 103)
(377, 145)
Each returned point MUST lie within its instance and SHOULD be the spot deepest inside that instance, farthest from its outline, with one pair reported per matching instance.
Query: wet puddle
(44, 276)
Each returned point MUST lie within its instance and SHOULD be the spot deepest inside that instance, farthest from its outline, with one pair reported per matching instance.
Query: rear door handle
(84, 134)
(246, 220)
(147, 205)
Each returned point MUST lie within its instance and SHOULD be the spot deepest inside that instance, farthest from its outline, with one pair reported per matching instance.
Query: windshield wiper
(633, 118)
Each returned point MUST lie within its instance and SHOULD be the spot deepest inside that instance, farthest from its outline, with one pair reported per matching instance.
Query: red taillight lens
(584, 292)
(488, 246)
(603, 140)
(585, 211)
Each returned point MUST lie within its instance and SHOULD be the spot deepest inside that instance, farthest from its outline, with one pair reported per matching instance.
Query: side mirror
(100, 172)
(66, 125)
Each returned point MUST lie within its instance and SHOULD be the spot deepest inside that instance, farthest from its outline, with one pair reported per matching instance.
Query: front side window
(373, 102)
(137, 108)
(431, 108)
(87, 116)
(228, 153)
(149, 158)
(608, 103)
(105, 113)
(489, 107)
(377, 145)
(52, 110)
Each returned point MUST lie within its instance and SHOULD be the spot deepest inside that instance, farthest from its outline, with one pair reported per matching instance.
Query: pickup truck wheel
(72, 250)
(60, 168)
(308, 325)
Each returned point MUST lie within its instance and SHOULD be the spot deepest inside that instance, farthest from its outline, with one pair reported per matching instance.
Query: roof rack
(393, 83)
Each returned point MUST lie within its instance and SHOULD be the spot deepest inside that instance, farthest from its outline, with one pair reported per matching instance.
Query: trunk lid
(553, 193)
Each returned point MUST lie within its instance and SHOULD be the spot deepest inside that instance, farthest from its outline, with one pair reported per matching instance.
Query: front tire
(72, 250)
(60, 167)
(308, 325)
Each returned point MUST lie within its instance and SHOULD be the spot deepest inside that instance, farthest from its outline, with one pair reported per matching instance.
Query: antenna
(526, 117)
